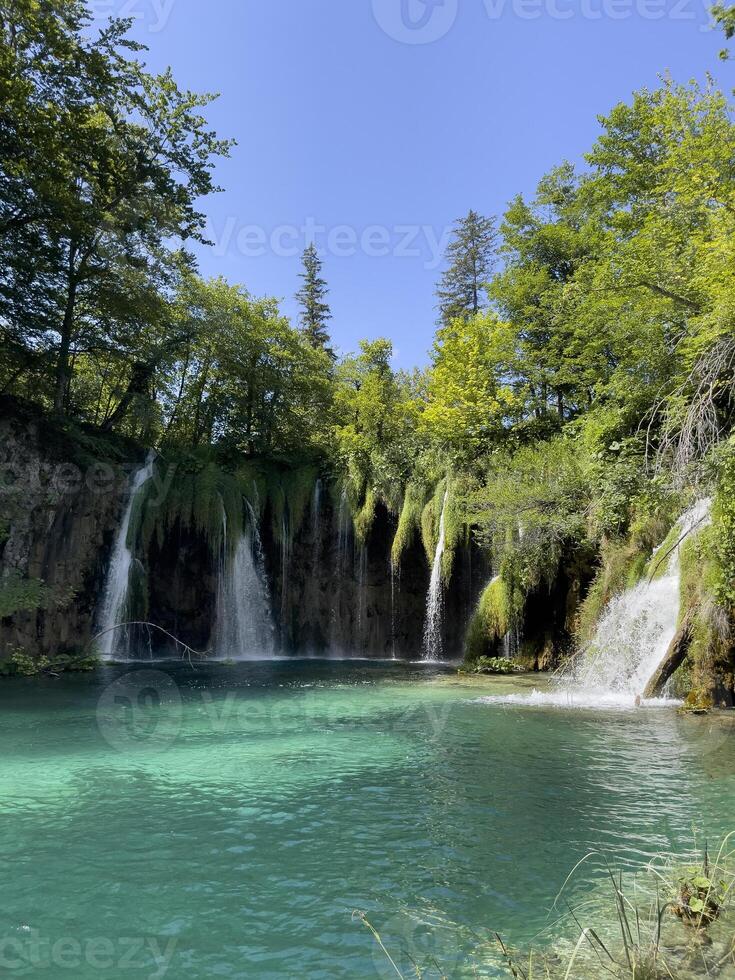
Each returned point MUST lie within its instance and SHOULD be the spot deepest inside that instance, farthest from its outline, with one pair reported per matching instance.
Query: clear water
(226, 822)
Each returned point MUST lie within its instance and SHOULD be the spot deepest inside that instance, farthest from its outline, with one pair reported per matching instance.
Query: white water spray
(316, 508)
(395, 586)
(435, 597)
(114, 604)
(344, 531)
(244, 625)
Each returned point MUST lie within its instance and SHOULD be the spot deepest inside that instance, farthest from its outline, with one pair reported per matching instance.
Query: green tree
(315, 312)
(724, 16)
(468, 403)
(375, 430)
(112, 162)
(247, 380)
(470, 259)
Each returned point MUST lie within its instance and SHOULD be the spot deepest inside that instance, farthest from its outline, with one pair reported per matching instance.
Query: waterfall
(637, 628)
(344, 530)
(361, 562)
(632, 637)
(395, 574)
(114, 605)
(435, 598)
(316, 507)
(244, 626)
(285, 563)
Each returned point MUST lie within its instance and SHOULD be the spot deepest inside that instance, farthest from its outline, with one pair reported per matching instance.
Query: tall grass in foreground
(669, 921)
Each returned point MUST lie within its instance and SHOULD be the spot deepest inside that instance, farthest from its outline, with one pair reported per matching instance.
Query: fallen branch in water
(189, 652)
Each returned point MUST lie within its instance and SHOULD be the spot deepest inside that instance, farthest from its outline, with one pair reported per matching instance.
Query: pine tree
(470, 259)
(315, 310)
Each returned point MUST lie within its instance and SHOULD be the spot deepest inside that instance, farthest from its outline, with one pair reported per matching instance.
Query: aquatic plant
(636, 942)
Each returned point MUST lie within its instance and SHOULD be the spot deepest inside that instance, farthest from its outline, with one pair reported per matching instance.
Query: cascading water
(114, 606)
(435, 597)
(361, 569)
(344, 531)
(395, 586)
(637, 628)
(244, 626)
(632, 637)
(316, 507)
(285, 563)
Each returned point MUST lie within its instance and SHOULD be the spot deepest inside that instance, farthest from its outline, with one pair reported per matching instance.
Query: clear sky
(376, 123)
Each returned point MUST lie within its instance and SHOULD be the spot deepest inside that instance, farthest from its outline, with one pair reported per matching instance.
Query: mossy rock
(698, 702)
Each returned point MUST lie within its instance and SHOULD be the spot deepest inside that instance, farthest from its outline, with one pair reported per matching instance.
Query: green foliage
(570, 412)
(103, 163)
(533, 503)
(198, 492)
(492, 665)
(711, 638)
(18, 594)
(470, 258)
(724, 16)
(374, 432)
(21, 664)
(246, 380)
(624, 560)
(288, 492)
(312, 297)
(448, 500)
(723, 518)
(498, 612)
(193, 493)
(431, 520)
(409, 522)
(365, 516)
(468, 402)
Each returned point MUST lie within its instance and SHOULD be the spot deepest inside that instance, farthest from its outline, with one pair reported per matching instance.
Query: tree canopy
(592, 324)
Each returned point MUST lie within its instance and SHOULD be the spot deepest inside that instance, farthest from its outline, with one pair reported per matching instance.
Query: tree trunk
(67, 327)
(560, 405)
(678, 649)
(140, 378)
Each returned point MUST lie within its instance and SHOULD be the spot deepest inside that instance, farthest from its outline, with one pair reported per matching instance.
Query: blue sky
(372, 126)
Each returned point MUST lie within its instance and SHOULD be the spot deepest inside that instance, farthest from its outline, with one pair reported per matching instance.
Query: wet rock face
(58, 517)
(328, 593)
(338, 595)
(60, 514)
(343, 597)
(181, 592)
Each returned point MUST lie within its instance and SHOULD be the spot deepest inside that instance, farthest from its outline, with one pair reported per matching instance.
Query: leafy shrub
(22, 664)
(18, 594)
(492, 665)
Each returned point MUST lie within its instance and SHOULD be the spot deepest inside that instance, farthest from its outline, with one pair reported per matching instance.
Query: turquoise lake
(228, 821)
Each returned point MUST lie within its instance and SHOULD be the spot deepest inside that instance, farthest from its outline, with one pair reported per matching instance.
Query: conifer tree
(315, 312)
(470, 259)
